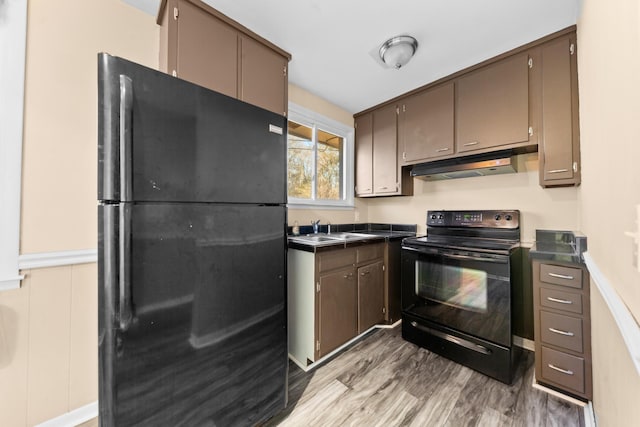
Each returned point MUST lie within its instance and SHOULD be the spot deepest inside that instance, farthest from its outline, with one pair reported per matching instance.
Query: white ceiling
(334, 43)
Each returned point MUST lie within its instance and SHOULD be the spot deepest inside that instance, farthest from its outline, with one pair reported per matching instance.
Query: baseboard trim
(629, 329)
(587, 407)
(73, 418)
(328, 356)
(57, 259)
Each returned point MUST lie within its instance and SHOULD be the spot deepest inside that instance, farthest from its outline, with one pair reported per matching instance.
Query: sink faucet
(315, 224)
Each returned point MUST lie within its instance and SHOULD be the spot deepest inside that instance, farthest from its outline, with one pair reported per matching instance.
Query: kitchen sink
(332, 238)
(315, 238)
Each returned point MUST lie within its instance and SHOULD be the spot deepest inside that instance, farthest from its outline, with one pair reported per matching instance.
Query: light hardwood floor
(386, 381)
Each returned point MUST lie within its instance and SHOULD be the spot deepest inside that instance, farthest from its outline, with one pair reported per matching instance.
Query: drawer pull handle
(561, 276)
(440, 150)
(348, 276)
(558, 331)
(564, 371)
(560, 301)
(558, 171)
(364, 273)
(469, 144)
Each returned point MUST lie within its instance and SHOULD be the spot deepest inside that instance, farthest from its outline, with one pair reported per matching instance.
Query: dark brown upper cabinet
(559, 149)
(426, 125)
(263, 76)
(377, 170)
(522, 100)
(201, 45)
(364, 155)
(492, 105)
(385, 151)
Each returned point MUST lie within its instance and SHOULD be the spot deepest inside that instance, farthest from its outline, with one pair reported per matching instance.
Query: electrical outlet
(356, 215)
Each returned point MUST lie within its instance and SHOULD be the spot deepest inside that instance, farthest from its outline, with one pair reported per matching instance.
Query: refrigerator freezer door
(188, 143)
(207, 341)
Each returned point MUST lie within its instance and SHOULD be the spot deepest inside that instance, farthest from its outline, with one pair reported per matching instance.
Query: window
(319, 159)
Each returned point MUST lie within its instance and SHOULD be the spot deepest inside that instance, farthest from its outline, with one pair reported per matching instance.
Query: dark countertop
(382, 233)
(559, 246)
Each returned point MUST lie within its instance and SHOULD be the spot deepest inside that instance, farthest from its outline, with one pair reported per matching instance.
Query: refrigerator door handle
(125, 306)
(126, 136)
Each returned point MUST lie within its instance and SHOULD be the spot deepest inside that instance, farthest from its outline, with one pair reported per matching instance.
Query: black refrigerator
(191, 253)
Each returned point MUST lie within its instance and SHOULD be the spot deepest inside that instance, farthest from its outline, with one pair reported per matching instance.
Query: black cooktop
(482, 231)
(463, 243)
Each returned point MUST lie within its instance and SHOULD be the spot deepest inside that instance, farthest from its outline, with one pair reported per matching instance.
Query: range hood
(494, 163)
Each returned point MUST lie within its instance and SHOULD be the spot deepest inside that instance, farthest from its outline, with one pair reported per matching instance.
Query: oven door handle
(475, 258)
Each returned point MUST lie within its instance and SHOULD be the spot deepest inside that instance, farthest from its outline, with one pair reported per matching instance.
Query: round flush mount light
(397, 51)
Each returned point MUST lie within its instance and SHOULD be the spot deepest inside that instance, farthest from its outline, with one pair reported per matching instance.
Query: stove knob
(498, 217)
(440, 216)
(433, 216)
(508, 217)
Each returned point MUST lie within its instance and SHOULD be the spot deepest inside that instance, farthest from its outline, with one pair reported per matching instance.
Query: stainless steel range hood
(494, 163)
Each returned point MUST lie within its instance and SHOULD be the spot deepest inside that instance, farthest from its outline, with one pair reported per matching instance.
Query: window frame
(315, 121)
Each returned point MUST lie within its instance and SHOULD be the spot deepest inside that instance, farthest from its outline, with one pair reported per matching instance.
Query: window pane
(300, 160)
(330, 148)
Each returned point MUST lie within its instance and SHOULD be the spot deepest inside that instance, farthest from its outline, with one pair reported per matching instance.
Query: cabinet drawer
(560, 300)
(563, 369)
(369, 252)
(563, 331)
(340, 258)
(558, 275)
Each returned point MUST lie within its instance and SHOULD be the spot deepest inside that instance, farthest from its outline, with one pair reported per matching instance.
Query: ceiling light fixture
(397, 51)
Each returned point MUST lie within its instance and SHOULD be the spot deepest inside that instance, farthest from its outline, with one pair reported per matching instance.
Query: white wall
(609, 84)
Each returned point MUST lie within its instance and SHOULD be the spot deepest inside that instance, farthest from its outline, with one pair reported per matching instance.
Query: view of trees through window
(315, 171)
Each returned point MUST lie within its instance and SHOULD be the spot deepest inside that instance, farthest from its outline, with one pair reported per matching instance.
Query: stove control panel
(486, 219)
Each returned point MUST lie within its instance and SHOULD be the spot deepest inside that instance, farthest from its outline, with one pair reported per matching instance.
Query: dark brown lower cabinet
(333, 295)
(370, 295)
(337, 309)
(562, 323)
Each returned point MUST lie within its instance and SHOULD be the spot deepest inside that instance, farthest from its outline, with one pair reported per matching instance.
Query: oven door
(466, 291)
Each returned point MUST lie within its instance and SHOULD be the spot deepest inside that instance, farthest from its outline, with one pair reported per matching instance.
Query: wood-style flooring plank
(563, 414)
(438, 405)
(386, 381)
(311, 412)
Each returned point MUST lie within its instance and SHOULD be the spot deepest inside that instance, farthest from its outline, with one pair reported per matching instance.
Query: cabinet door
(426, 125)
(370, 295)
(206, 50)
(263, 77)
(385, 150)
(364, 155)
(337, 319)
(559, 148)
(492, 105)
